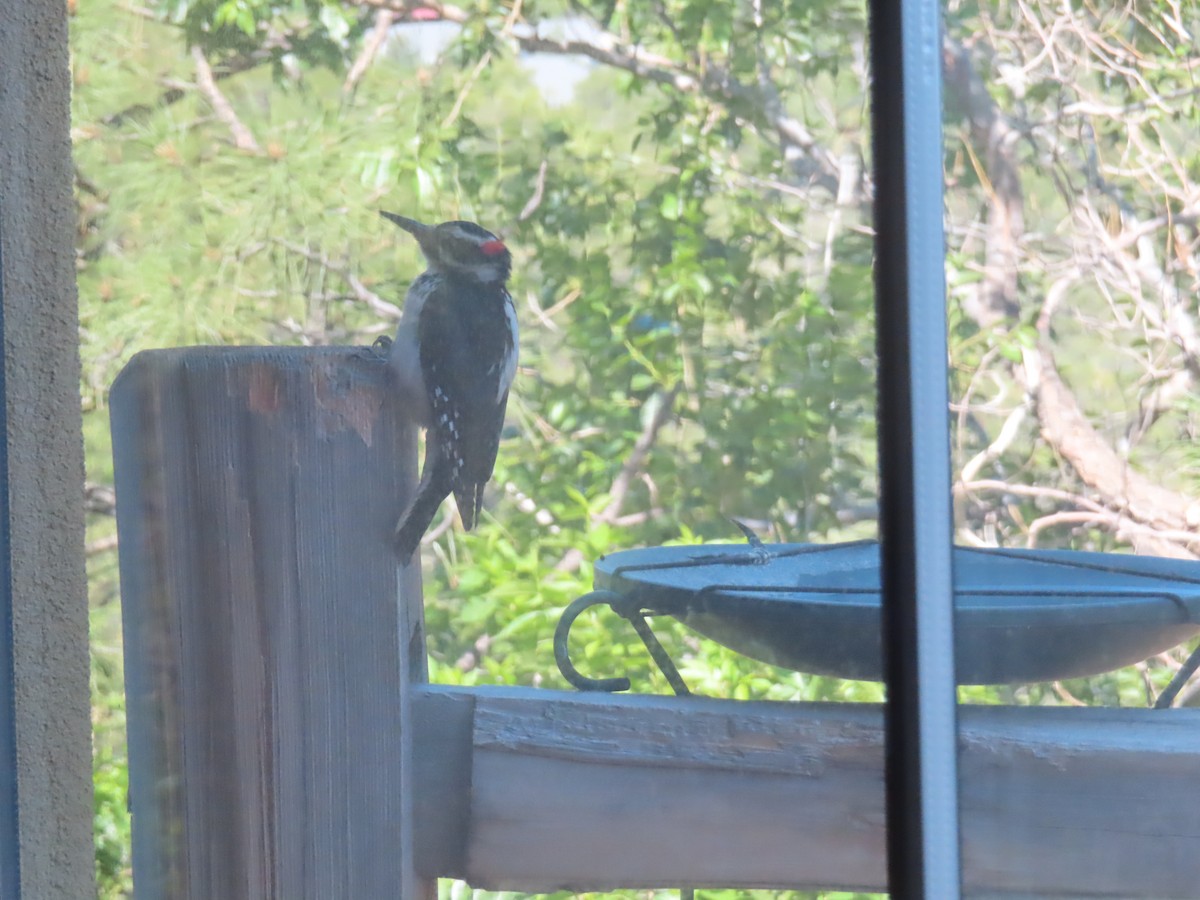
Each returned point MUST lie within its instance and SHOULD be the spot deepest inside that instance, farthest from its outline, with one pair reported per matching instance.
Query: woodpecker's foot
(378, 351)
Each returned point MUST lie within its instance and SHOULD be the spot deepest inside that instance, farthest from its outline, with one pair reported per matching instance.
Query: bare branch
(1091, 519)
(539, 188)
(1008, 433)
(637, 457)
(546, 316)
(993, 485)
(456, 109)
(630, 469)
(361, 291)
(996, 300)
(384, 18)
(242, 138)
(1067, 430)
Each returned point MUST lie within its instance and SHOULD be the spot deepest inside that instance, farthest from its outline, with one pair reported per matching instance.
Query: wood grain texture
(257, 489)
(586, 792)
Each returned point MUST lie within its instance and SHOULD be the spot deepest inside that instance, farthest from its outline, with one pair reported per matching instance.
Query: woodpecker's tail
(414, 522)
(470, 502)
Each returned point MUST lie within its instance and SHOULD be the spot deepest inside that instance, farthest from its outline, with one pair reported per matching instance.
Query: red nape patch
(492, 248)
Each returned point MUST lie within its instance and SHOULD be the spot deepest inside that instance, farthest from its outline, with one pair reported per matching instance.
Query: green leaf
(334, 21)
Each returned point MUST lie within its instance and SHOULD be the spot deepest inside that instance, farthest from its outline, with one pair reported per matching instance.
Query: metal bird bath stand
(1022, 615)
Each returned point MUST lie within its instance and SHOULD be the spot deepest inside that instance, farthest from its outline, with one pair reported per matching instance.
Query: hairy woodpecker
(454, 358)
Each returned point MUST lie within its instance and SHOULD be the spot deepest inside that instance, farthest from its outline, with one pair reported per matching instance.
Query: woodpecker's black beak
(412, 226)
(422, 232)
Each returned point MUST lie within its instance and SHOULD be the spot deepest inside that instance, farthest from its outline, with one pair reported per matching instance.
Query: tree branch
(1069, 432)
(714, 81)
(242, 138)
(637, 457)
(361, 291)
(275, 42)
(630, 469)
(370, 49)
(1126, 494)
(995, 301)
(535, 200)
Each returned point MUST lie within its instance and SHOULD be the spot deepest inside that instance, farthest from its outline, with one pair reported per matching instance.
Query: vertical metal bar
(915, 512)
(10, 832)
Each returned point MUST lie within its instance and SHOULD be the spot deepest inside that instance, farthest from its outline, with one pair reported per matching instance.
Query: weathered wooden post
(257, 489)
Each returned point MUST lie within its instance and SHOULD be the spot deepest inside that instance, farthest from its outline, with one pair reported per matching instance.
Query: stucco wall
(45, 455)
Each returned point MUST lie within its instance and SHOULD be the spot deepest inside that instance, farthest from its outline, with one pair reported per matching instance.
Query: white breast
(405, 355)
(508, 368)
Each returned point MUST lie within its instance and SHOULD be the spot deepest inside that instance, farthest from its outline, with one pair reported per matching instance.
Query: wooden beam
(257, 489)
(541, 791)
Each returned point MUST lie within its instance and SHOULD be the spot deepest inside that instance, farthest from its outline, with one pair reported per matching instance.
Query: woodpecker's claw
(759, 554)
(378, 351)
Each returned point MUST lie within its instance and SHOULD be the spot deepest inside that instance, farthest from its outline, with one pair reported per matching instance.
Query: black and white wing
(468, 344)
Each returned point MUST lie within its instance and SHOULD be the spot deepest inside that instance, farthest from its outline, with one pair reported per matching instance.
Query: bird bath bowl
(1021, 615)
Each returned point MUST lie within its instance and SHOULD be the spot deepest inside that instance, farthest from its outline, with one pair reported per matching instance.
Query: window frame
(923, 837)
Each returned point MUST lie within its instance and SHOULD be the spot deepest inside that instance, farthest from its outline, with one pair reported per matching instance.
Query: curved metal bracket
(562, 651)
(627, 608)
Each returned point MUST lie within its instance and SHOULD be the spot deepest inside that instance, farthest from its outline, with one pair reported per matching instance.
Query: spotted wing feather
(464, 350)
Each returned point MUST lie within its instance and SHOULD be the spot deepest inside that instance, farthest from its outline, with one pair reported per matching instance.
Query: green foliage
(111, 827)
(319, 32)
(110, 768)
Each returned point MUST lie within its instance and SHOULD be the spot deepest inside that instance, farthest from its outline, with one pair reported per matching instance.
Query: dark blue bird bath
(1021, 615)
